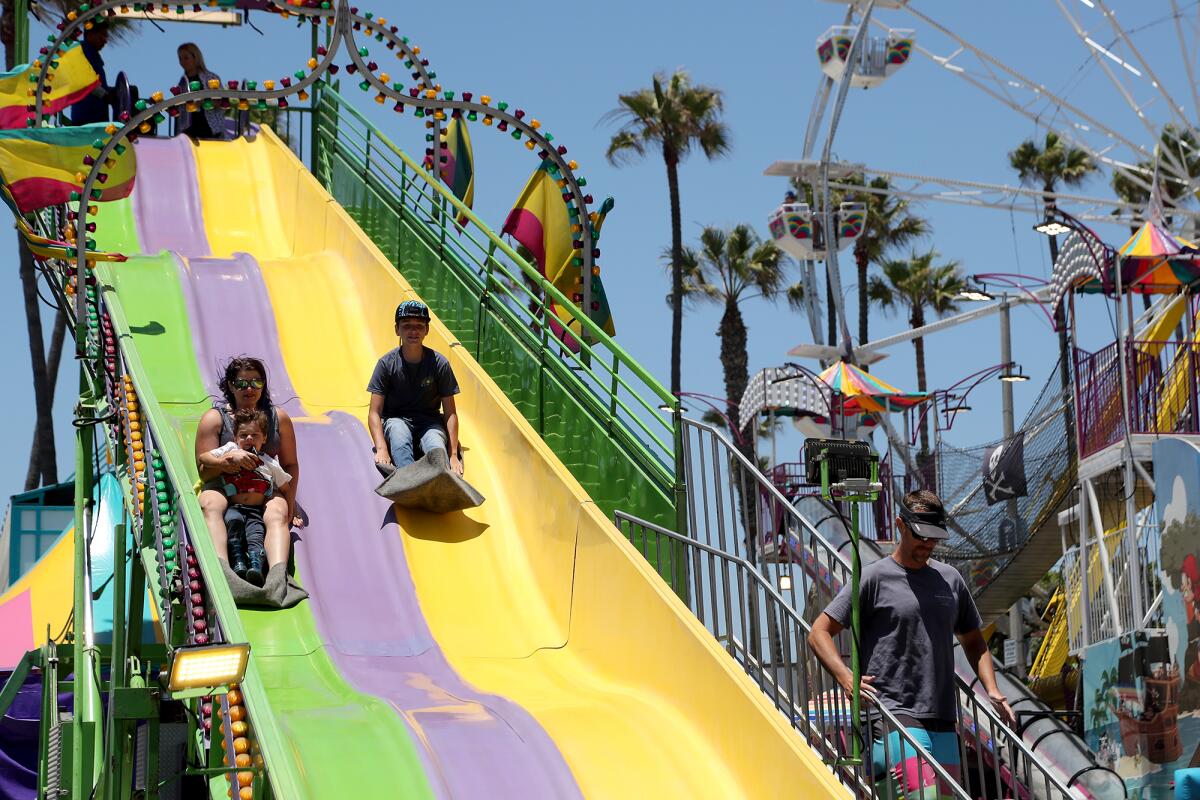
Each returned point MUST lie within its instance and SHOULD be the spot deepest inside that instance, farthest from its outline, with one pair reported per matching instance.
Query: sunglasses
(256, 383)
(917, 536)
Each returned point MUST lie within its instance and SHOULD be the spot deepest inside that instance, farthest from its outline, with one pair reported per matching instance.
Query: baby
(248, 491)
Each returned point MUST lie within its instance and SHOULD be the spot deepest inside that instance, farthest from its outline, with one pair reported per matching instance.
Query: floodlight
(207, 666)
(667, 408)
(957, 409)
(1008, 376)
(785, 583)
(977, 295)
(1052, 227)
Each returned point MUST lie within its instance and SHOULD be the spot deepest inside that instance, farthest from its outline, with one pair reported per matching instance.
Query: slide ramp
(522, 648)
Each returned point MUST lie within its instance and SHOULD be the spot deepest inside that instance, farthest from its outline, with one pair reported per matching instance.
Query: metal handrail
(620, 394)
(833, 732)
(531, 272)
(712, 465)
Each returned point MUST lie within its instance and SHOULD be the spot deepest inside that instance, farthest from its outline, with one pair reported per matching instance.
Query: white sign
(1010, 652)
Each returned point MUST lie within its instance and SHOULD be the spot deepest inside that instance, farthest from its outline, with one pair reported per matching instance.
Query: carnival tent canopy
(861, 391)
(1154, 261)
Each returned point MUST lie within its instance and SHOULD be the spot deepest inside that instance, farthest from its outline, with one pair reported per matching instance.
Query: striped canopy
(1152, 241)
(1155, 261)
(861, 391)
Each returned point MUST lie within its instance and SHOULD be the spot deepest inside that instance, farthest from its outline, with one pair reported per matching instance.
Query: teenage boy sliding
(412, 397)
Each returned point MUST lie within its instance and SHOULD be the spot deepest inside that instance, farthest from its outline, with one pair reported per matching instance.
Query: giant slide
(519, 650)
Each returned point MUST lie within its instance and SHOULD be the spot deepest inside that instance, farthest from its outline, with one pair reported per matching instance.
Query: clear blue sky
(566, 64)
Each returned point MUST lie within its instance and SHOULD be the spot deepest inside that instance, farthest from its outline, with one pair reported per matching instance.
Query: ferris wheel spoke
(1176, 108)
(1102, 55)
(1040, 89)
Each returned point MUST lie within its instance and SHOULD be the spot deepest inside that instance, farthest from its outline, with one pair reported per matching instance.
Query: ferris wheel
(867, 50)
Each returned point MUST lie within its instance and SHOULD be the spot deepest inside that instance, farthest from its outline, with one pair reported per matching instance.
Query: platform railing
(796, 564)
(723, 589)
(1130, 572)
(1163, 385)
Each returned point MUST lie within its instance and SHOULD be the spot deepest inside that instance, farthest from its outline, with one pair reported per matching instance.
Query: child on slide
(248, 491)
(412, 397)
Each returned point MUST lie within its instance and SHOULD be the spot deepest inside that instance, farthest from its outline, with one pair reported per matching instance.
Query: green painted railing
(601, 412)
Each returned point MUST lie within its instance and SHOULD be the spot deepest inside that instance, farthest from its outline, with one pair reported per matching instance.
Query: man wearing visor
(911, 607)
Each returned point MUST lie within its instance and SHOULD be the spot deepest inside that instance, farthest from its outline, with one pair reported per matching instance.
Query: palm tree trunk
(52, 363)
(861, 261)
(734, 362)
(676, 270)
(43, 455)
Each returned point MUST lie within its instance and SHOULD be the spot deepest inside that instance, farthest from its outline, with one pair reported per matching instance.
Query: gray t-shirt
(909, 618)
(413, 392)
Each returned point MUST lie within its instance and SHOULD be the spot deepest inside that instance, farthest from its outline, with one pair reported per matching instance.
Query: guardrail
(736, 516)
(1164, 391)
(725, 593)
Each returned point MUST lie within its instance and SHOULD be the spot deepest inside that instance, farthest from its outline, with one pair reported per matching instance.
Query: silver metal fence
(730, 597)
(758, 572)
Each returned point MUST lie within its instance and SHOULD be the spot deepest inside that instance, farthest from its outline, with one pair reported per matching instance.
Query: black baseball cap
(926, 524)
(412, 309)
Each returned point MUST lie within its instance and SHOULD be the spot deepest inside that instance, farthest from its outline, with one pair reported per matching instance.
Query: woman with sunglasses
(244, 385)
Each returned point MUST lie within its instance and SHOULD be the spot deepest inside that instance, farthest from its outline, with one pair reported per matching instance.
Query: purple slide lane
(166, 198)
(483, 745)
(351, 560)
(230, 314)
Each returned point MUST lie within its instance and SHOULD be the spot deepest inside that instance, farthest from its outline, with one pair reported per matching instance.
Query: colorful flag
(458, 164)
(43, 166)
(1004, 471)
(70, 79)
(541, 223)
(44, 249)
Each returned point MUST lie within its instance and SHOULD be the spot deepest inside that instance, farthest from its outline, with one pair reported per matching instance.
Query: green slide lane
(319, 736)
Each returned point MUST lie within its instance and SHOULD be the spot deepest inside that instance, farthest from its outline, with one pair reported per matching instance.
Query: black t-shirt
(413, 391)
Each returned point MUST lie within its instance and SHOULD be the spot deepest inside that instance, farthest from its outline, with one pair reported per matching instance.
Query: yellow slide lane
(534, 596)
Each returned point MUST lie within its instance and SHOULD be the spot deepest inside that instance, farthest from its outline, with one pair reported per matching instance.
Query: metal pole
(1130, 536)
(1085, 587)
(1016, 629)
(85, 736)
(830, 231)
(855, 626)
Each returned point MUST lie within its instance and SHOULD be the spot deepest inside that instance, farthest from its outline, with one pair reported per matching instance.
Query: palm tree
(920, 286)
(672, 116)
(889, 226)
(1183, 146)
(1056, 163)
(733, 266)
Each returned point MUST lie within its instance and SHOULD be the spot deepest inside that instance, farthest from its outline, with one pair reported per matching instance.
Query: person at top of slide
(412, 396)
(207, 123)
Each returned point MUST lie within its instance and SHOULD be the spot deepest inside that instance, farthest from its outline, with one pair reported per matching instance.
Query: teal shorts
(913, 778)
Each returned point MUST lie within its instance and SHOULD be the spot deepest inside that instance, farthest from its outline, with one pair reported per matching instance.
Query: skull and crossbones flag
(1004, 471)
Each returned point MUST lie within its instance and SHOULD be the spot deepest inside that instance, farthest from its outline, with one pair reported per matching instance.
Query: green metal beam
(16, 679)
(86, 741)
